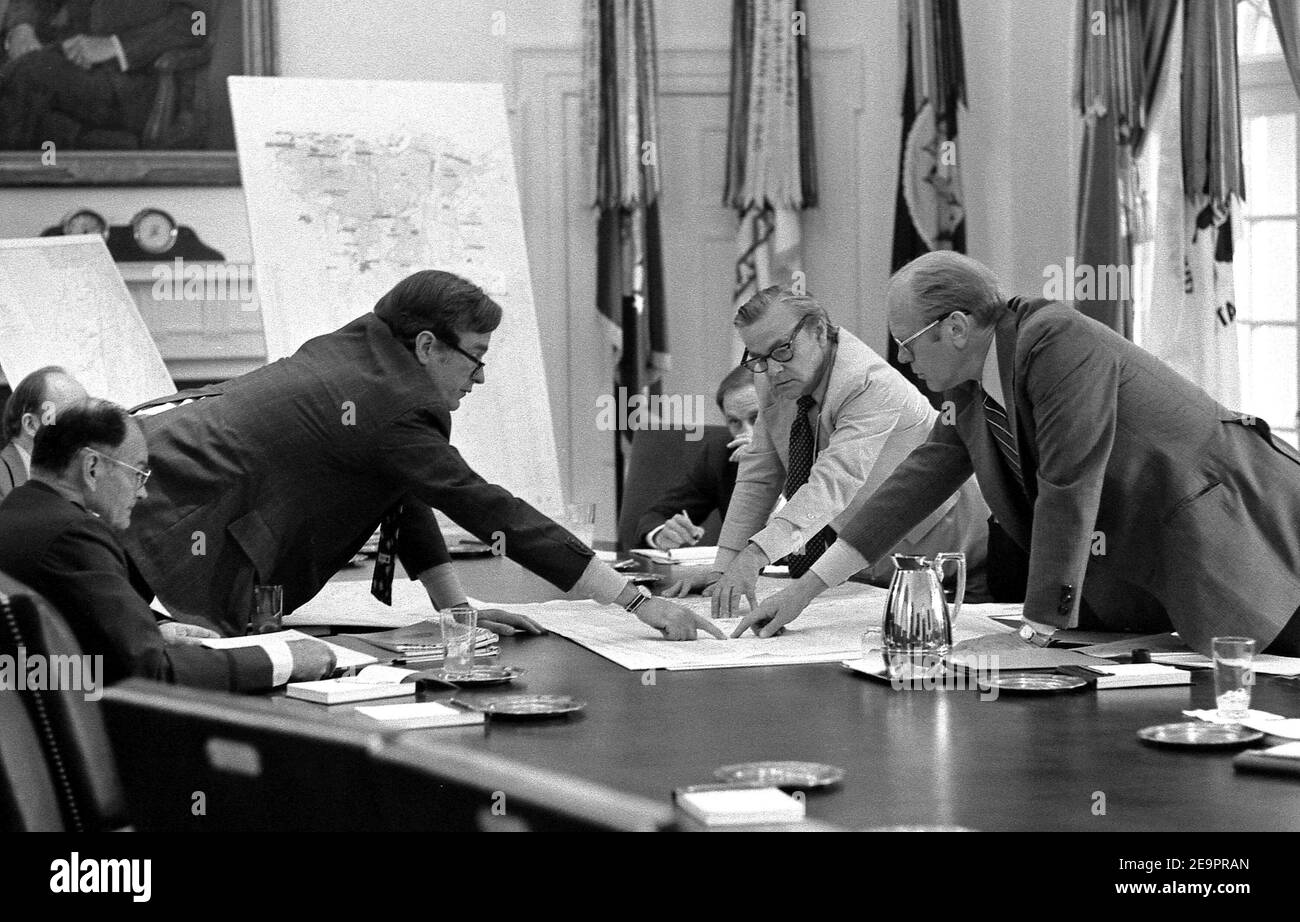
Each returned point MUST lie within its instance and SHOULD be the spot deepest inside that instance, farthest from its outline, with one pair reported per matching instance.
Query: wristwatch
(642, 593)
(1037, 638)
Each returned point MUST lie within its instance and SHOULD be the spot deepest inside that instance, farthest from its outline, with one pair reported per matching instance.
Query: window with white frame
(1264, 267)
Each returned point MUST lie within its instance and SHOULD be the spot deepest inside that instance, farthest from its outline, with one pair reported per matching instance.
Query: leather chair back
(66, 723)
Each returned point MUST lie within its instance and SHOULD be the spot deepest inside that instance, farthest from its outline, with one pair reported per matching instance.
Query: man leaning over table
(59, 535)
(281, 475)
(1143, 503)
(834, 421)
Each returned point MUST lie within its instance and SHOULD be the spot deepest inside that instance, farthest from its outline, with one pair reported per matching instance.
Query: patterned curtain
(929, 213)
(771, 160)
(1191, 176)
(620, 125)
(1286, 18)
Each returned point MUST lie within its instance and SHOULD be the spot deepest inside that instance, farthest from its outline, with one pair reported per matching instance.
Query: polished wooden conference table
(913, 758)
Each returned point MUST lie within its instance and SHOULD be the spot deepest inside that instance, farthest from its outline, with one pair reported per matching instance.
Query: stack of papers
(420, 716)
(368, 684)
(684, 556)
(424, 641)
(741, 806)
(1137, 675)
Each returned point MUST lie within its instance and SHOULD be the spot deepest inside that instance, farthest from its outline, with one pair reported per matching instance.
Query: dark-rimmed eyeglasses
(479, 364)
(782, 353)
(141, 476)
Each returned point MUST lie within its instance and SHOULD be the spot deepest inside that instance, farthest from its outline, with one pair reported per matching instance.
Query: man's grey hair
(941, 282)
(801, 306)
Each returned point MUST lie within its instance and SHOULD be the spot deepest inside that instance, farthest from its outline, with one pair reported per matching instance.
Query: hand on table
(740, 581)
(507, 623)
(771, 617)
(692, 584)
(679, 531)
(176, 633)
(311, 660)
(86, 51)
(674, 621)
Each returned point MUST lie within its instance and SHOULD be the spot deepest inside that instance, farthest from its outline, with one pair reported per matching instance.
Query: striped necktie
(800, 466)
(1000, 428)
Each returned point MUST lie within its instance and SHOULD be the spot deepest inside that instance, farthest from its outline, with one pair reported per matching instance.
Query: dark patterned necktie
(381, 584)
(800, 466)
(1000, 429)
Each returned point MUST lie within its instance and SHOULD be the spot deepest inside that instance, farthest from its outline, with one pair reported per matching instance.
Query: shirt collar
(26, 457)
(991, 379)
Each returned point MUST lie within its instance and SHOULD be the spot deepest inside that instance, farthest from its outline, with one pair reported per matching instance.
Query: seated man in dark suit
(93, 64)
(58, 534)
(674, 521)
(35, 402)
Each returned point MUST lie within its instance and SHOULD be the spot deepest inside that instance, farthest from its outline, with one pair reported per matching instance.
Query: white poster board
(351, 186)
(63, 302)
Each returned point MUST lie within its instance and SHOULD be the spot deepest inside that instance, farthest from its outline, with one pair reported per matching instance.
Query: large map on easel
(351, 186)
(63, 302)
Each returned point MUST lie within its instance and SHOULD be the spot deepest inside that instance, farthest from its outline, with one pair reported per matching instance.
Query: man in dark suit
(57, 535)
(88, 59)
(35, 402)
(1136, 495)
(674, 520)
(280, 476)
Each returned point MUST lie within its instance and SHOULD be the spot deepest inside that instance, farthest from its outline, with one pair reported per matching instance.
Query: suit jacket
(13, 473)
(869, 418)
(705, 487)
(73, 559)
(1143, 495)
(146, 28)
(281, 475)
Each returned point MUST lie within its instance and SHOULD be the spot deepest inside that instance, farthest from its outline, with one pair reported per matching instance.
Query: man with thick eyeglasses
(1143, 503)
(59, 535)
(280, 476)
(834, 420)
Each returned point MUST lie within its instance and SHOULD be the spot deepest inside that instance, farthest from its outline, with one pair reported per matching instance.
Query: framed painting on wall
(125, 92)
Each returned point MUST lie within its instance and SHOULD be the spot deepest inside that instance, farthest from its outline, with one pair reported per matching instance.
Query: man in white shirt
(35, 402)
(834, 421)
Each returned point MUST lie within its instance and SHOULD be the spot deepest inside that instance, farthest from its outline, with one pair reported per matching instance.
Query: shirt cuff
(443, 586)
(122, 62)
(281, 660)
(600, 582)
(779, 538)
(840, 561)
(652, 534)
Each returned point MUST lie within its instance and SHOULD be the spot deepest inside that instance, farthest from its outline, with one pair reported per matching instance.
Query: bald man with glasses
(834, 421)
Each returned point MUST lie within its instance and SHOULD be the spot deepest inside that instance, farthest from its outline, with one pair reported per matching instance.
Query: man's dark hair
(443, 303)
(92, 423)
(31, 392)
(738, 377)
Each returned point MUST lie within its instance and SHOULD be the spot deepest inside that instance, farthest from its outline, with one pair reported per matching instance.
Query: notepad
(741, 806)
(344, 658)
(367, 685)
(1137, 675)
(420, 715)
(686, 556)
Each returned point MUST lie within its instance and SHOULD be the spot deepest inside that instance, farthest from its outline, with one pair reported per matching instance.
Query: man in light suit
(1142, 502)
(281, 475)
(35, 402)
(834, 420)
(88, 59)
